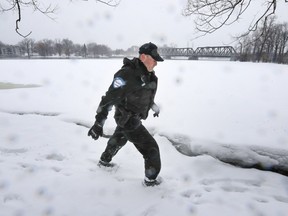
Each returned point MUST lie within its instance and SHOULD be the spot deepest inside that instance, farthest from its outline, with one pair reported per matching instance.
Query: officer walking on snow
(132, 94)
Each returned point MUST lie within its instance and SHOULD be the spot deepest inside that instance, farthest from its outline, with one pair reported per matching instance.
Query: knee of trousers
(117, 141)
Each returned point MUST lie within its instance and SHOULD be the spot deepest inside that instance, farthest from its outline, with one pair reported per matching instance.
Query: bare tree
(97, 50)
(67, 47)
(92, 49)
(269, 43)
(45, 47)
(264, 37)
(283, 43)
(211, 15)
(12, 5)
(27, 45)
(84, 51)
(40, 6)
(58, 47)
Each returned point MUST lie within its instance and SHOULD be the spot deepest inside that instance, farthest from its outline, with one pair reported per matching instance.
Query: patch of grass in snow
(4, 85)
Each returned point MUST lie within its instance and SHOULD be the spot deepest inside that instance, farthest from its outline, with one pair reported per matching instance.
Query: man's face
(149, 62)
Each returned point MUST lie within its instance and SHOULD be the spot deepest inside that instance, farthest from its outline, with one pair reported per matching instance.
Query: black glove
(156, 114)
(96, 131)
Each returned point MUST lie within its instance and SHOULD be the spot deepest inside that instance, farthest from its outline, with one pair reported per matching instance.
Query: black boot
(152, 182)
(105, 164)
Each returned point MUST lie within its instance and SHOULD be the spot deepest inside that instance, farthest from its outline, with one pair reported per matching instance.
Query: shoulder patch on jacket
(118, 82)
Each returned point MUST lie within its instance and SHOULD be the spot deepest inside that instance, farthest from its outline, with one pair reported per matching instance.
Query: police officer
(132, 93)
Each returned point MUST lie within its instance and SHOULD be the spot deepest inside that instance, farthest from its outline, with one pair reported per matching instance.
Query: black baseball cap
(150, 49)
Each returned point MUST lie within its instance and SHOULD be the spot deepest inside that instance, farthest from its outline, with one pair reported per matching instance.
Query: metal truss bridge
(205, 52)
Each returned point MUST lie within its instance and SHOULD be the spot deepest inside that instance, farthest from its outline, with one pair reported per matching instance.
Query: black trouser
(144, 143)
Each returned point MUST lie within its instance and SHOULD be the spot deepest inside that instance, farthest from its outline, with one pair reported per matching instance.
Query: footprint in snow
(55, 156)
(12, 197)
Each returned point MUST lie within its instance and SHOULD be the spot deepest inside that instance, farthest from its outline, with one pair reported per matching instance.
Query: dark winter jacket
(132, 93)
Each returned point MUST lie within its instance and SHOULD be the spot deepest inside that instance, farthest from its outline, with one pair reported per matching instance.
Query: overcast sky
(133, 22)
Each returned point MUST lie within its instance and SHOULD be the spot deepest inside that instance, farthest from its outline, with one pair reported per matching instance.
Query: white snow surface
(49, 164)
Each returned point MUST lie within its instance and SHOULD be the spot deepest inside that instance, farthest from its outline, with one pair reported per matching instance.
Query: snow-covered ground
(48, 164)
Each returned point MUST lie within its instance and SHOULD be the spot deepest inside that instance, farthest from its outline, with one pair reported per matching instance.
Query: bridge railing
(219, 51)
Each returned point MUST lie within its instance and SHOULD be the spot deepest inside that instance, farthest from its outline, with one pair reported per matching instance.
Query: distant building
(8, 51)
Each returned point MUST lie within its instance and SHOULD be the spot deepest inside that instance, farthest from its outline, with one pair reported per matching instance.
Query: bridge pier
(193, 58)
(167, 57)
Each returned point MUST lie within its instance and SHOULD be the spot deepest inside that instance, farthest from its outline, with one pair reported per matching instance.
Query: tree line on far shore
(268, 43)
(60, 48)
